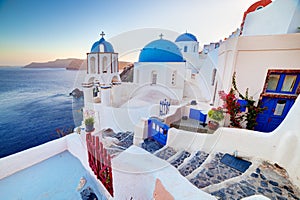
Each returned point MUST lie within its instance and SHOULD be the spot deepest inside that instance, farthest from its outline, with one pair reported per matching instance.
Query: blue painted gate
(158, 130)
(197, 115)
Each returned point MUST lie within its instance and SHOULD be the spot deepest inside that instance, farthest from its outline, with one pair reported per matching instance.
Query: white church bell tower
(102, 73)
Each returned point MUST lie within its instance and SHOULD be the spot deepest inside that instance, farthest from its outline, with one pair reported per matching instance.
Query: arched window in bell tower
(104, 64)
(116, 65)
(92, 65)
(101, 48)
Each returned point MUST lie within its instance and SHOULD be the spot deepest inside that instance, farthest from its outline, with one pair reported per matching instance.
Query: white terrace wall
(24, 159)
(120, 94)
(74, 143)
(120, 119)
(281, 146)
(135, 172)
(252, 56)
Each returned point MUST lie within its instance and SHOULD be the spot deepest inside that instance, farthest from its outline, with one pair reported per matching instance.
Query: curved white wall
(279, 17)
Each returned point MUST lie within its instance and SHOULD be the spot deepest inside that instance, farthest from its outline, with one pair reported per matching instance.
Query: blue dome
(161, 51)
(108, 48)
(186, 37)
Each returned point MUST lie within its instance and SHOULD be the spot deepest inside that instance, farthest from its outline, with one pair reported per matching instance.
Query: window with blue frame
(185, 49)
(283, 83)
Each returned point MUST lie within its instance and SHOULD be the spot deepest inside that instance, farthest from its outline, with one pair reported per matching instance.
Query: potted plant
(89, 124)
(216, 115)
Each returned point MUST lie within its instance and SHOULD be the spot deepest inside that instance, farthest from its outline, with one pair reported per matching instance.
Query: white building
(265, 58)
(165, 70)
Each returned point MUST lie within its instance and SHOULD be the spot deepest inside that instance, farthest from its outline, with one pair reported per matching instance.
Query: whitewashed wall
(279, 17)
(135, 173)
(74, 143)
(143, 75)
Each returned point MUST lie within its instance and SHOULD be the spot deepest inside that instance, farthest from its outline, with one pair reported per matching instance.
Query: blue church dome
(161, 51)
(186, 37)
(108, 48)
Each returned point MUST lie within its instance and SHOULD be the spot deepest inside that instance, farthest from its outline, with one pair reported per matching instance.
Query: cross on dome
(102, 34)
(161, 36)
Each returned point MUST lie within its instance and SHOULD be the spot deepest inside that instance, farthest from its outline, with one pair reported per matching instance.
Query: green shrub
(216, 114)
(89, 121)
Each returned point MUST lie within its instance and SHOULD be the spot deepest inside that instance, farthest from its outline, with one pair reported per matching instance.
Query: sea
(35, 106)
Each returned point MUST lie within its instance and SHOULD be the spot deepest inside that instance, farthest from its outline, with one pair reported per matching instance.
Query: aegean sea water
(34, 103)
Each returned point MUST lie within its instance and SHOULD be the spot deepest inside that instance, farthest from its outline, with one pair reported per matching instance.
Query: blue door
(276, 111)
(280, 92)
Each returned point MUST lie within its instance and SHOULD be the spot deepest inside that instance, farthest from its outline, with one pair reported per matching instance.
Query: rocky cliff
(69, 64)
(127, 73)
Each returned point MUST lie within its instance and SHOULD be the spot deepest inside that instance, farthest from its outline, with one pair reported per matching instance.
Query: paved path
(206, 172)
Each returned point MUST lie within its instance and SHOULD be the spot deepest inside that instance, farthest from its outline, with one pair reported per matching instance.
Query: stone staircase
(208, 173)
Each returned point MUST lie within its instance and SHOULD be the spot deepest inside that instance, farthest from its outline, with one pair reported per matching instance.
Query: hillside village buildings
(261, 54)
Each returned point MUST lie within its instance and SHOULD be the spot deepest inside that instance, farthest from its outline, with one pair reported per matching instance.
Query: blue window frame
(283, 83)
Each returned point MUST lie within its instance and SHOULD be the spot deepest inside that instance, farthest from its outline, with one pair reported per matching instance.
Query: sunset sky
(44, 30)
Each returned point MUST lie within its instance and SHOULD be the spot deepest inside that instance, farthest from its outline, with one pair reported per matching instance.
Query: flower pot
(89, 127)
(213, 125)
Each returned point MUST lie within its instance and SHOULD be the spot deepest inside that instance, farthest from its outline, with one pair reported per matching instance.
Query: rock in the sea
(76, 93)
(88, 194)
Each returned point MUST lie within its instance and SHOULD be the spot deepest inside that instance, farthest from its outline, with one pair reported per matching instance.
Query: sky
(45, 30)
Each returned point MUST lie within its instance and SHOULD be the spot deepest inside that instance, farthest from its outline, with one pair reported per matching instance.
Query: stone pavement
(267, 180)
(210, 175)
(151, 145)
(194, 163)
(166, 153)
(214, 172)
(224, 182)
(180, 158)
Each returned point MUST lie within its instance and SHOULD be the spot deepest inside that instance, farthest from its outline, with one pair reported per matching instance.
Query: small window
(289, 83)
(116, 66)
(101, 48)
(92, 65)
(104, 64)
(259, 7)
(154, 77)
(213, 78)
(195, 48)
(173, 81)
(279, 107)
(185, 49)
(273, 82)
